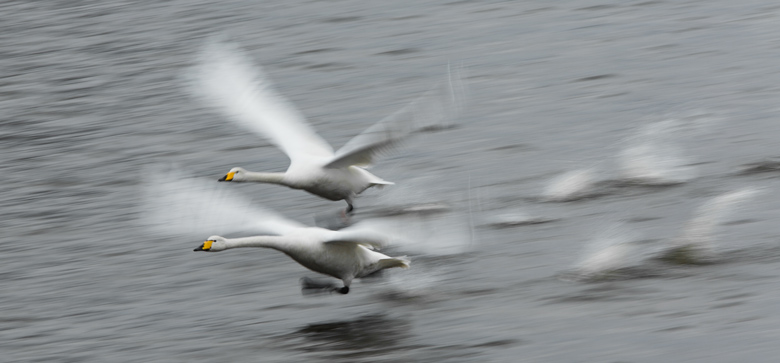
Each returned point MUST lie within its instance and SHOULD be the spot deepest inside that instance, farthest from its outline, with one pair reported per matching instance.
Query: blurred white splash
(426, 234)
(570, 186)
(654, 155)
(414, 194)
(697, 244)
(424, 283)
(177, 205)
(609, 251)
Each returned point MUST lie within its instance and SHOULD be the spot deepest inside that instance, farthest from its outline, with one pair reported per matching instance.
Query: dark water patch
(589, 296)
(694, 28)
(621, 274)
(319, 50)
(766, 166)
(642, 219)
(513, 147)
(342, 19)
(461, 2)
(509, 222)
(757, 254)
(401, 298)
(678, 314)
(727, 305)
(539, 10)
(409, 17)
(329, 66)
(739, 222)
(737, 296)
(675, 328)
(246, 147)
(479, 292)
(687, 255)
(614, 95)
(487, 10)
(498, 343)
(435, 128)
(400, 51)
(649, 186)
(597, 7)
(365, 336)
(648, 3)
(594, 78)
(418, 209)
(292, 64)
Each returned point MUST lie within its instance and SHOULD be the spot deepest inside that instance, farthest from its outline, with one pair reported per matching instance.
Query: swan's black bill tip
(222, 178)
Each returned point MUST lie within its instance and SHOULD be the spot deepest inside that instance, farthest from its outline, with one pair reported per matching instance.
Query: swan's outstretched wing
(435, 109)
(173, 205)
(226, 78)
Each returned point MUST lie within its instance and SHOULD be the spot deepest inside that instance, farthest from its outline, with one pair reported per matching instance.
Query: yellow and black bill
(227, 177)
(206, 246)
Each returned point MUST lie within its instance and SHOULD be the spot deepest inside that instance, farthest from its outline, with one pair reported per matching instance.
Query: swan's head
(235, 174)
(213, 244)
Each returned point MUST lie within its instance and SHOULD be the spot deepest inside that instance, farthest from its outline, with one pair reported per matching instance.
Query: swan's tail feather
(402, 262)
(381, 182)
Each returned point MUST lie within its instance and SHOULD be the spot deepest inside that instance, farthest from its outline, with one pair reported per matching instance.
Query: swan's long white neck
(273, 178)
(275, 242)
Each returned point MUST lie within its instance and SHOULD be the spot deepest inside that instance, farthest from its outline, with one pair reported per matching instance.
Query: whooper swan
(225, 78)
(183, 206)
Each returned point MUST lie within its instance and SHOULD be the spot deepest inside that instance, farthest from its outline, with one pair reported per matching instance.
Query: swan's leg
(347, 212)
(311, 286)
(350, 207)
(345, 290)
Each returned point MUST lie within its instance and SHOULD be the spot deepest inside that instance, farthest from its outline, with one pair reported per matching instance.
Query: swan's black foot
(350, 208)
(310, 286)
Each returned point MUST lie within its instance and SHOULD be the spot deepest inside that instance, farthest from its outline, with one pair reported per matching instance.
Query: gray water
(91, 95)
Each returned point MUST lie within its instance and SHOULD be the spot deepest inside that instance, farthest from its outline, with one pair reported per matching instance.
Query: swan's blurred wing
(361, 233)
(225, 78)
(185, 206)
(435, 109)
(442, 234)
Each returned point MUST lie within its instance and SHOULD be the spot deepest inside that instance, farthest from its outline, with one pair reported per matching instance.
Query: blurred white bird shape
(225, 78)
(186, 206)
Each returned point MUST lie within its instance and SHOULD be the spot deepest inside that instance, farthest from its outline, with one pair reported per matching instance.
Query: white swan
(227, 79)
(345, 255)
(183, 206)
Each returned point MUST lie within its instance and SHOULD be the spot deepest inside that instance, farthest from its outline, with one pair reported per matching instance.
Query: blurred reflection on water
(365, 336)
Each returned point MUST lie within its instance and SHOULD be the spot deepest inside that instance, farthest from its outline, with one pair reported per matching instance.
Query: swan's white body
(345, 255)
(229, 81)
(333, 184)
(182, 206)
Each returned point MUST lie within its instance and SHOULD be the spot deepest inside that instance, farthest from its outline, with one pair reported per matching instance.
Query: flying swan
(180, 206)
(225, 78)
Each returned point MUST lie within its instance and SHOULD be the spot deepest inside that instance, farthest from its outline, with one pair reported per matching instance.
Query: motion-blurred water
(91, 94)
